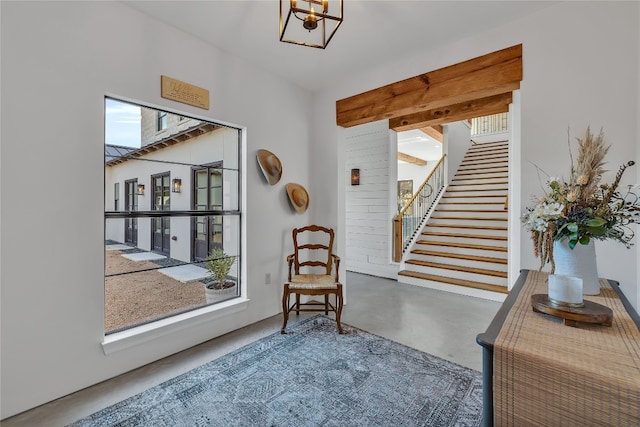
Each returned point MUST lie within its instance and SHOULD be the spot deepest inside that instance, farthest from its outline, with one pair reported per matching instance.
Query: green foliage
(219, 264)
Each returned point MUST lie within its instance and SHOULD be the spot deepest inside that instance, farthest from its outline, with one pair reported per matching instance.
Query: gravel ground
(137, 298)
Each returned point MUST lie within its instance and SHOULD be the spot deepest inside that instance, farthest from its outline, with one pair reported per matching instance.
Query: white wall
(580, 68)
(367, 206)
(58, 62)
(416, 173)
(456, 144)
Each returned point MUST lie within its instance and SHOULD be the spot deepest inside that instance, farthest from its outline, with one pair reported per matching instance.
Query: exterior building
(182, 164)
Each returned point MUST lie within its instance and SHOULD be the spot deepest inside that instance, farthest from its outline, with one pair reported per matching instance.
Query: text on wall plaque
(184, 92)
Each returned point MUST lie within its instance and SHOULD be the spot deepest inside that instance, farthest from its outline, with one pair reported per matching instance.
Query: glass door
(131, 204)
(207, 196)
(161, 231)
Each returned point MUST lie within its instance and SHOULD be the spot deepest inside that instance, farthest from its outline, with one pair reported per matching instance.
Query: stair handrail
(405, 227)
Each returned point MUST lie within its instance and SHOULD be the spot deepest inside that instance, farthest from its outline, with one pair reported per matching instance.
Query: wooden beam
(410, 159)
(434, 132)
(452, 113)
(492, 74)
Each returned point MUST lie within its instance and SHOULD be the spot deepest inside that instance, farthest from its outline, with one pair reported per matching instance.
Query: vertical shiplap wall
(367, 217)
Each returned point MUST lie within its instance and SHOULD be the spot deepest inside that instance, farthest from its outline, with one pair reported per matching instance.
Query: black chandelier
(318, 26)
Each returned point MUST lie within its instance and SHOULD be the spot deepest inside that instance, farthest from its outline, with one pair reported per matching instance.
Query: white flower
(538, 218)
(552, 210)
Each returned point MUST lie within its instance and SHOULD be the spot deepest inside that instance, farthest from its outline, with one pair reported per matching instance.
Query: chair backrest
(313, 246)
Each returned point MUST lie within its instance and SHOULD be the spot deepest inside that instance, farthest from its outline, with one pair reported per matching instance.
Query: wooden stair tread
(484, 170)
(496, 147)
(473, 203)
(465, 236)
(462, 245)
(478, 171)
(496, 152)
(472, 227)
(460, 256)
(449, 189)
(453, 281)
(485, 159)
(479, 183)
(471, 197)
(471, 210)
(463, 218)
(489, 144)
(473, 270)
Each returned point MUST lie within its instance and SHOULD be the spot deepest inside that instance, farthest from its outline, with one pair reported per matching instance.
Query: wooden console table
(537, 371)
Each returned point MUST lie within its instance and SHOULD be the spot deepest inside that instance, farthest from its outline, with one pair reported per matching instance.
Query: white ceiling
(418, 144)
(249, 29)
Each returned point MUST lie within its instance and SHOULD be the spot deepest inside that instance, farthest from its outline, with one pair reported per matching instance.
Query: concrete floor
(440, 323)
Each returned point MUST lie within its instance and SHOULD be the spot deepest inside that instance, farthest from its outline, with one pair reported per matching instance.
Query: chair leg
(339, 308)
(326, 304)
(285, 307)
(297, 304)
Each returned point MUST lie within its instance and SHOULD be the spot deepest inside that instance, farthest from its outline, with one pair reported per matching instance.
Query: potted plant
(221, 287)
(572, 214)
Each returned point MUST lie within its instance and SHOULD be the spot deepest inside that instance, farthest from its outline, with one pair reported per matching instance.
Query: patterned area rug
(310, 377)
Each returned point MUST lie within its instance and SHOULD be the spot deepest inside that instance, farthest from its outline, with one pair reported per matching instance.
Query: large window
(158, 242)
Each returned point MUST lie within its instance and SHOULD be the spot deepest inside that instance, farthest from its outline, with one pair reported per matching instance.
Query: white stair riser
(459, 230)
(473, 185)
(463, 251)
(477, 193)
(465, 240)
(485, 183)
(488, 223)
(484, 178)
(483, 166)
(472, 214)
(499, 199)
(481, 174)
(459, 262)
(446, 206)
(487, 150)
(462, 275)
(483, 155)
(473, 164)
(461, 290)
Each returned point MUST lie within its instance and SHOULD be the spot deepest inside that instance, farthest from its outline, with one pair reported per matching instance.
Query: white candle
(565, 289)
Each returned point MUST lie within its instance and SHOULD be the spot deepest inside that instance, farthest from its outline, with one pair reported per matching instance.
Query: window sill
(140, 334)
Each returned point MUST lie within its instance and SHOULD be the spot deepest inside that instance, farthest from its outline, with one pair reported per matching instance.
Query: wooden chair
(310, 273)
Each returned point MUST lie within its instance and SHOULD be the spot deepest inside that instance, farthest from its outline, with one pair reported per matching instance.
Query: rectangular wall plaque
(184, 92)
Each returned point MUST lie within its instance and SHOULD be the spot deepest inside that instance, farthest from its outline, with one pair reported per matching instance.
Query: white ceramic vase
(578, 262)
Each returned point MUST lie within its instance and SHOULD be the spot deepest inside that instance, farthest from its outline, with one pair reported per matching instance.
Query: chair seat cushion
(313, 281)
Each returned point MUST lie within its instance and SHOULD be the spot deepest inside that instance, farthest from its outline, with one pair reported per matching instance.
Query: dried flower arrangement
(583, 208)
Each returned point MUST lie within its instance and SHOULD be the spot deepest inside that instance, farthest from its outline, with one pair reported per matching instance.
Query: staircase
(463, 246)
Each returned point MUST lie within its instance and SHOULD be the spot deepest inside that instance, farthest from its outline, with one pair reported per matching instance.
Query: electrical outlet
(267, 278)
